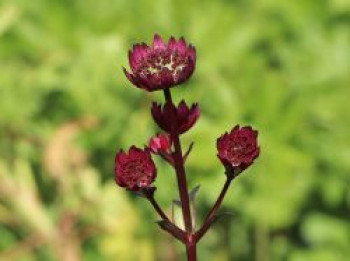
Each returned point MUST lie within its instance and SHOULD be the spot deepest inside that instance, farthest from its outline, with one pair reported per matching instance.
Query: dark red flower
(185, 117)
(160, 143)
(238, 149)
(161, 65)
(134, 170)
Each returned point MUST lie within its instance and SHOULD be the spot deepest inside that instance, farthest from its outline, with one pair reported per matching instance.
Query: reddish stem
(211, 215)
(167, 157)
(179, 167)
(181, 178)
(158, 209)
(191, 251)
(182, 182)
(169, 227)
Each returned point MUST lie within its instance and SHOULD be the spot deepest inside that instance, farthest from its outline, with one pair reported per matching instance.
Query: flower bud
(238, 149)
(160, 143)
(185, 117)
(134, 170)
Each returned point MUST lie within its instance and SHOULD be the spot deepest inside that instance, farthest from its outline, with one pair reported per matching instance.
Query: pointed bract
(158, 42)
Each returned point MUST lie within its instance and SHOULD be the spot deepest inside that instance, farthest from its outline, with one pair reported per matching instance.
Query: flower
(185, 117)
(161, 66)
(134, 170)
(238, 149)
(160, 143)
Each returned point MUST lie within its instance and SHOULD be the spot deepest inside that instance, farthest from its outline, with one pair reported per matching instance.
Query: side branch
(212, 213)
(165, 223)
(158, 208)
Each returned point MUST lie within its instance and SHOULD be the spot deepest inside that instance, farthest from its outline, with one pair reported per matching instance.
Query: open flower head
(161, 65)
(134, 170)
(185, 117)
(238, 149)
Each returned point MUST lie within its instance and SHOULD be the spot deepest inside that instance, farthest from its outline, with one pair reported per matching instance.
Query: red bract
(185, 117)
(160, 143)
(238, 149)
(161, 65)
(134, 170)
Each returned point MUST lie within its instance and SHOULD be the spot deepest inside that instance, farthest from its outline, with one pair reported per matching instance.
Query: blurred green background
(66, 108)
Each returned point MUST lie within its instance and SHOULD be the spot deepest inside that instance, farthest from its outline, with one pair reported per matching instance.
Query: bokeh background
(66, 108)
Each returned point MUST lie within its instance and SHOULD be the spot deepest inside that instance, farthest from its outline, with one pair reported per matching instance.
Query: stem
(158, 208)
(191, 251)
(181, 178)
(211, 215)
(166, 224)
(179, 168)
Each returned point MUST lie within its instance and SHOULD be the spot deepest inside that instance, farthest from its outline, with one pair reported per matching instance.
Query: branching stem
(212, 213)
(182, 181)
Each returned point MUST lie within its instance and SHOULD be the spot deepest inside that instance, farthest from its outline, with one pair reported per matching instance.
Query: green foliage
(66, 108)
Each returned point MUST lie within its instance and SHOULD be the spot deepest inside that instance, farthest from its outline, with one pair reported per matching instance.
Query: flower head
(134, 170)
(160, 143)
(185, 117)
(161, 65)
(238, 149)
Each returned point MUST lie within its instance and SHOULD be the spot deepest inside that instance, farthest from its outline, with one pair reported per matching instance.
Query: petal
(158, 42)
(181, 46)
(195, 111)
(132, 62)
(158, 116)
(221, 140)
(235, 128)
(135, 81)
(144, 83)
(120, 157)
(167, 110)
(129, 76)
(135, 151)
(166, 123)
(190, 119)
(182, 109)
(247, 128)
(156, 110)
(193, 116)
(171, 44)
(140, 51)
(191, 52)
